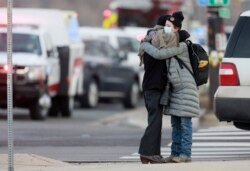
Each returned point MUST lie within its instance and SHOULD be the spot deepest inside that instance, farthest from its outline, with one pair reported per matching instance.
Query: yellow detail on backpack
(202, 63)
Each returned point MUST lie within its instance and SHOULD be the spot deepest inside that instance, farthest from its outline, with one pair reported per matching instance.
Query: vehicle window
(239, 41)
(104, 38)
(128, 44)
(24, 43)
(95, 48)
(110, 51)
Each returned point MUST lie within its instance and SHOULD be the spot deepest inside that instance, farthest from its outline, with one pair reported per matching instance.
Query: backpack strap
(181, 63)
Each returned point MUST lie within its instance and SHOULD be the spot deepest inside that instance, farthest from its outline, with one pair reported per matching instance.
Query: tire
(241, 125)
(132, 97)
(54, 109)
(38, 112)
(91, 97)
(66, 106)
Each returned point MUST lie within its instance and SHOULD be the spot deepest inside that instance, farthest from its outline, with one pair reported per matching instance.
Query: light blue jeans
(181, 136)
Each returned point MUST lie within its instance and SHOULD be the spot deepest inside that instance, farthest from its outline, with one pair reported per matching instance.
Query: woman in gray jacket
(183, 102)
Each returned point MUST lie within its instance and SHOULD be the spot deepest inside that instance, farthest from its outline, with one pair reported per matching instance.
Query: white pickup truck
(47, 61)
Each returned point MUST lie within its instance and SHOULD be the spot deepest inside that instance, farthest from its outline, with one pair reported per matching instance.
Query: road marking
(208, 149)
(223, 143)
(193, 157)
(220, 133)
(221, 138)
(214, 152)
(221, 129)
(219, 144)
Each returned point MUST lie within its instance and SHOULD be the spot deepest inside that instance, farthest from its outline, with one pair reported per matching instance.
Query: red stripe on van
(54, 87)
(78, 62)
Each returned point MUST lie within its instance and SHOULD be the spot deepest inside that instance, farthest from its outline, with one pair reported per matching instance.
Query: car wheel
(132, 97)
(67, 106)
(91, 98)
(37, 112)
(241, 125)
(54, 109)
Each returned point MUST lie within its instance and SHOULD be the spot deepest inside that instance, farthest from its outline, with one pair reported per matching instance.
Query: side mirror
(52, 53)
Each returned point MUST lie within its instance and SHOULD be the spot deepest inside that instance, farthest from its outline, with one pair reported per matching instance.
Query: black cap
(162, 20)
(176, 18)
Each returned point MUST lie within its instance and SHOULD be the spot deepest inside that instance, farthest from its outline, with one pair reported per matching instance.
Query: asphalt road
(83, 137)
(86, 138)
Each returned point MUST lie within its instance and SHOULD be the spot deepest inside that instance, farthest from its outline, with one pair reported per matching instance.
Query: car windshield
(94, 48)
(128, 44)
(99, 48)
(24, 43)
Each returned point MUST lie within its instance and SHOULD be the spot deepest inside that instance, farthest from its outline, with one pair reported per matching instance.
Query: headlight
(32, 73)
(4, 69)
(36, 73)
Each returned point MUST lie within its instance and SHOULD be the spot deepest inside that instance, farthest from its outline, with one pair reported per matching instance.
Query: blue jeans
(181, 136)
(151, 140)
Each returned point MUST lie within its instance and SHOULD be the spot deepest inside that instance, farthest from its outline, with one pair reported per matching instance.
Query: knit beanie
(162, 20)
(176, 18)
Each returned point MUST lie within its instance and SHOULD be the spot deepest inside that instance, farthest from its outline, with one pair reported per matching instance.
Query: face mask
(167, 29)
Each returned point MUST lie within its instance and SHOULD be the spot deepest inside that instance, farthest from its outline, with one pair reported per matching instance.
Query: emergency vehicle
(139, 13)
(47, 61)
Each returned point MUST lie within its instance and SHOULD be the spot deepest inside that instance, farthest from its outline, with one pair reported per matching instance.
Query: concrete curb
(194, 166)
(31, 160)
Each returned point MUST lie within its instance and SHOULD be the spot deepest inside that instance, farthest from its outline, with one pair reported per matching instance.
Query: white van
(47, 61)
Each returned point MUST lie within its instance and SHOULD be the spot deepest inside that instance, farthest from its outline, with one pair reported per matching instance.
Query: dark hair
(162, 20)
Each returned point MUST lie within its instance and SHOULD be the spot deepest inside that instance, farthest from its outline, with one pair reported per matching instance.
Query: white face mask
(167, 29)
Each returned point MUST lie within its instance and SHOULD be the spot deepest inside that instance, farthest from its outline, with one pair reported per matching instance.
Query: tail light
(228, 75)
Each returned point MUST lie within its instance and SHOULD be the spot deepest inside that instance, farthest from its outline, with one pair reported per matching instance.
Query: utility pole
(215, 26)
(216, 12)
(10, 87)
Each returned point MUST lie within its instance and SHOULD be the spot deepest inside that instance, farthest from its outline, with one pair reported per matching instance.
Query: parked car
(121, 41)
(232, 98)
(137, 32)
(105, 77)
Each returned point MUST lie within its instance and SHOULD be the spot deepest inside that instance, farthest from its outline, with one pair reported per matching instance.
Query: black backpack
(199, 62)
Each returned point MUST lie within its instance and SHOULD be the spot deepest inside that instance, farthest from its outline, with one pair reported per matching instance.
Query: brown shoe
(152, 159)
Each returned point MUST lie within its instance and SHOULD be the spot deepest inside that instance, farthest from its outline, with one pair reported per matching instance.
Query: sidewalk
(29, 162)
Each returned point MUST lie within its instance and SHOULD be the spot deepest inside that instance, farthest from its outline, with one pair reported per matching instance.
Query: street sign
(224, 13)
(219, 2)
(202, 3)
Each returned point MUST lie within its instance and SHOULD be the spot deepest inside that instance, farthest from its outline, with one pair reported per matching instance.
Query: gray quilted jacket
(184, 99)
